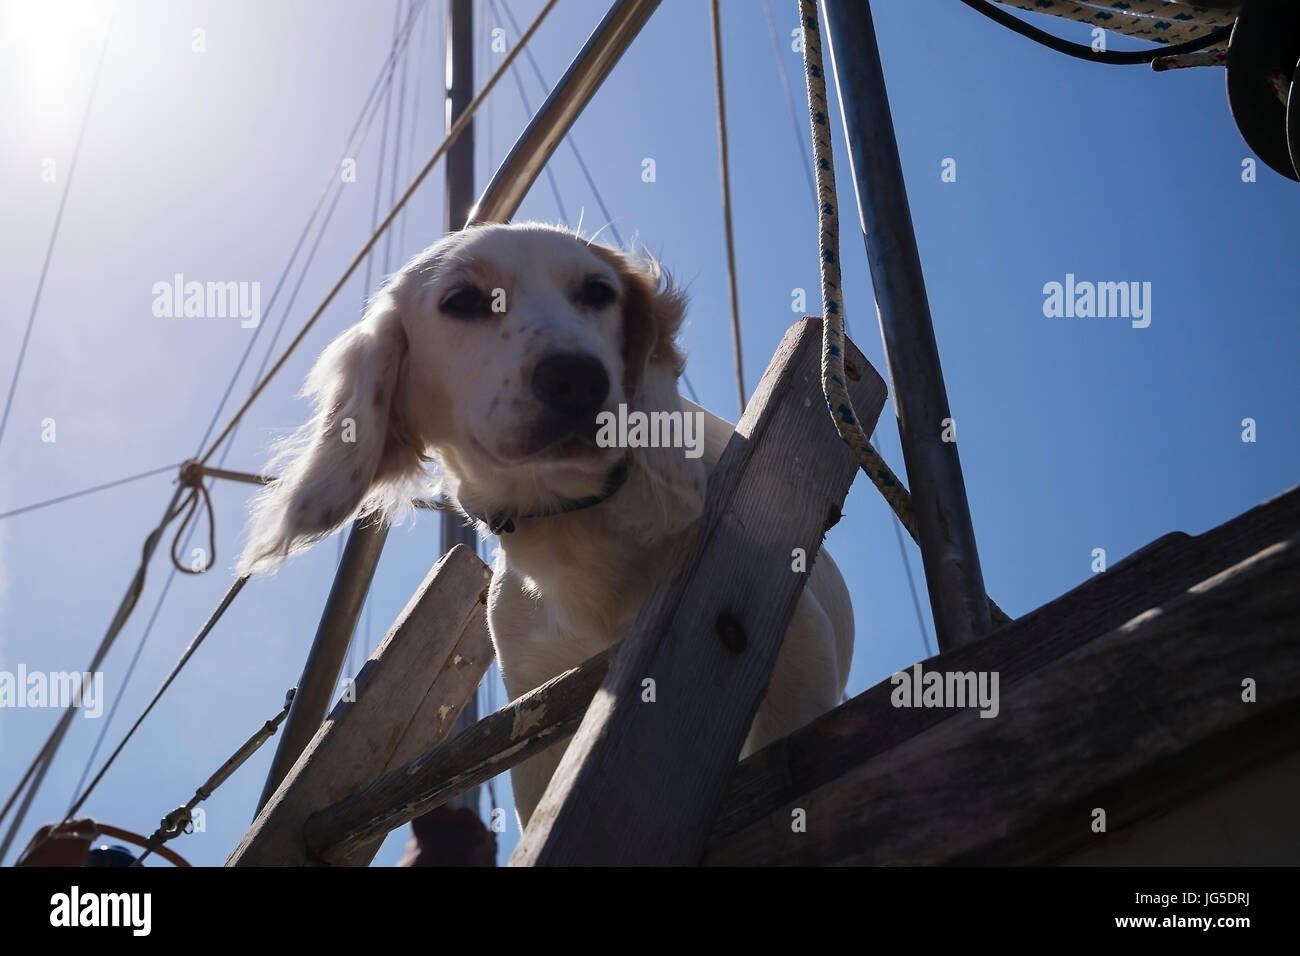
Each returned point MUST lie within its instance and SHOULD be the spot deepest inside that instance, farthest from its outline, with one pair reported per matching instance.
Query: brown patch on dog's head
(653, 308)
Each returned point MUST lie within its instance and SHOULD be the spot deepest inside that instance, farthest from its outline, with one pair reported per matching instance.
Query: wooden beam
(436, 717)
(641, 782)
(406, 698)
(1130, 723)
(501, 740)
(867, 726)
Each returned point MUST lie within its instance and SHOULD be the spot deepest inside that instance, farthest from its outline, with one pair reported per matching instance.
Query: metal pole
(603, 49)
(947, 538)
(338, 620)
(459, 199)
(499, 201)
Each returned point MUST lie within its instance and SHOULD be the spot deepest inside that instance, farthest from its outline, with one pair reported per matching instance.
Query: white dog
(492, 353)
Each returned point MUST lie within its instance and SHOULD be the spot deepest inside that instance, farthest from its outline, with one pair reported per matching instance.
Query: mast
(459, 199)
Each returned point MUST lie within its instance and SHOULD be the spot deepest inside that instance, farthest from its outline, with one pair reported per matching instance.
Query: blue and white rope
(1155, 20)
(834, 389)
(828, 227)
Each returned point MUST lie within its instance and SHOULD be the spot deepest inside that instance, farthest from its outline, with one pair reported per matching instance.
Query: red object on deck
(448, 837)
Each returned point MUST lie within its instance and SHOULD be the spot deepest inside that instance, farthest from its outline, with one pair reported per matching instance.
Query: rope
(369, 111)
(191, 477)
(828, 223)
(1083, 52)
(784, 76)
(333, 182)
(1185, 60)
(199, 466)
(41, 763)
(715, 17)
(457, 128)
(107, 722)
(361, 127)
(834, 389)
(1152, 20)
(58, 221)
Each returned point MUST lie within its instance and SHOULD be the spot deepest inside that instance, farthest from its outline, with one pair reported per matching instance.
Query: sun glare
(47, 49)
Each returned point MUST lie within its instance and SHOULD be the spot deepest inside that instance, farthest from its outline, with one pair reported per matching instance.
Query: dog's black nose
(571, 385)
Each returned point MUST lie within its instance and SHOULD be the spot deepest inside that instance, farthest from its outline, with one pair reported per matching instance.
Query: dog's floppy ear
(354, 455)
(672, 481)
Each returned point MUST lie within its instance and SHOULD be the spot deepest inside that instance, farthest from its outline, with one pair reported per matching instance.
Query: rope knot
(191, 473)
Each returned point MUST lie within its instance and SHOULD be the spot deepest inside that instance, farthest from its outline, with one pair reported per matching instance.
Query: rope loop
(191, 476)
(834, 390)
(836, 393)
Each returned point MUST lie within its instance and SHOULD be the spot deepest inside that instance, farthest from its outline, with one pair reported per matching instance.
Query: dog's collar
(503, 522)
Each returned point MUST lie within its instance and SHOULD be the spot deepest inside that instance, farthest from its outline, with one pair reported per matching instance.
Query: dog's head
(493, 353)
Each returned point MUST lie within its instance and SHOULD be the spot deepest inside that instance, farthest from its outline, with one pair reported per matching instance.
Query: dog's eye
(596, 294)
(466, 303)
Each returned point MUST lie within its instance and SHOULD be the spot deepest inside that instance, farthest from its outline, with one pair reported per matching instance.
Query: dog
(493, 354)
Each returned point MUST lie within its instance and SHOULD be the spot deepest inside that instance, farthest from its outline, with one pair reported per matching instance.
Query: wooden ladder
(641, 783)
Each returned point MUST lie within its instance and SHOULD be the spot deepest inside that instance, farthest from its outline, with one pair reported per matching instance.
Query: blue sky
(1075, 433)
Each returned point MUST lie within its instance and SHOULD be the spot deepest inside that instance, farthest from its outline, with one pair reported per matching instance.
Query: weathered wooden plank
(1130, 722)
(867, 725)
(362, 736)
(641, 782)
(436, 717)
(501, 740)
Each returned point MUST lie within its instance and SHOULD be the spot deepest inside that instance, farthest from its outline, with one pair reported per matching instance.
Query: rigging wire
(397, 143)
(40, 764)
(194, 644)
(838, 400)
(382, 79)
(568, 137)
(550, 173)
(795, 119)
(333, 181)
(715, 18)
(577, 155)
(388, 239)
(415, 116)
(58, 221)
(907, 568)
(528, 110)
(370, 109)
(86, 491)
(457, 127)
(452, 135)
(803, 152)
